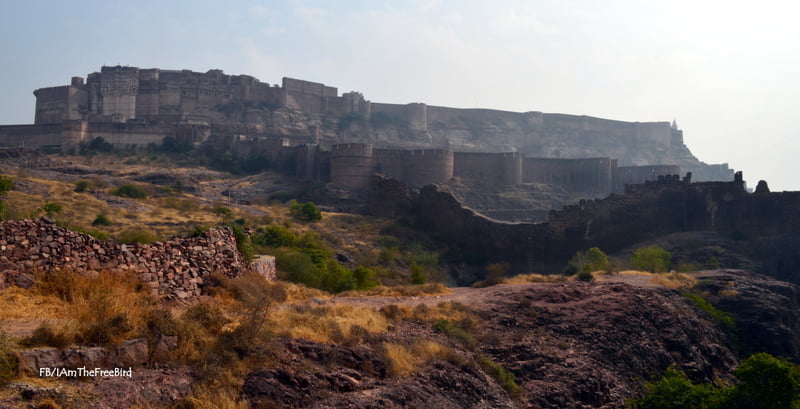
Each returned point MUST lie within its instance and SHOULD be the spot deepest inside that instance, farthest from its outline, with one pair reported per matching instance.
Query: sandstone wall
(635, 175)
(173, 268)
(585, 174)
(418, 167)
(498, 168)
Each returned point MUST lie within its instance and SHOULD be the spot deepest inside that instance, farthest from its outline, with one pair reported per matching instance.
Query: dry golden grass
(401, 291)
(17, 303)
(203, 397)
(405, 360)
(328, 324)
(96, 299)
(534, 278)
(675, 281)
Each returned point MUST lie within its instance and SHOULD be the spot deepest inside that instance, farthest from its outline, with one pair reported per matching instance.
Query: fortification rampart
(618, 221)
(176, 267)
(497, 168)
(635, 175)
(418, 167)
(584, 174)
(352, 165)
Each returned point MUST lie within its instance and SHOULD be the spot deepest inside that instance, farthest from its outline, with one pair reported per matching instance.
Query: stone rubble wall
(174, 268)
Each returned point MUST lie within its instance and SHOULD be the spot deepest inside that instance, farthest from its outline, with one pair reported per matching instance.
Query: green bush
(456, 332)
(81, 186)
(585, 276)
(723, 319)
(507, 380)
(101, 220)
(275, 236)
(6, 184)
(675, 391)
(131, 190)
(765, 382)
(651, 258)
(243, 242)
(587, 261)
(305, 212)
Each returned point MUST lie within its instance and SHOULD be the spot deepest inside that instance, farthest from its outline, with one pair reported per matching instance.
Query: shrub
(723, 319)
(364, 278)
(418, 275)
(51, 208)
(306, 212)
(651, 258)
(504, 378)
(456, 332)
(675, 391)
(8, 360)
(590, 260)
(243, 242)
(44, 335)
(82, 186)
(137, 234)
(585, 276)
(275, 236)
(101, 220)
(6, 184)
(131, 190)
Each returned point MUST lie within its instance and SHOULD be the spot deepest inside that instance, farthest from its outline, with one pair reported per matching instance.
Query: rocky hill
(568, 345)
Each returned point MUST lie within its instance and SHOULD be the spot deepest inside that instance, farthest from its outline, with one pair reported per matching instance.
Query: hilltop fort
(309, 129)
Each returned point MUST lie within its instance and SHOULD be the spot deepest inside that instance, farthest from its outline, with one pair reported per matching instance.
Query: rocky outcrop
(133, 353)
(172, 268)
(569, 345)
(766, 311)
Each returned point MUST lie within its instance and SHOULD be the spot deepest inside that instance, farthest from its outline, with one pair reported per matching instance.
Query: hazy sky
(727, 70)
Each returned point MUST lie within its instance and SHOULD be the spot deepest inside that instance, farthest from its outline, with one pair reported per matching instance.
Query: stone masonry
(175, 268)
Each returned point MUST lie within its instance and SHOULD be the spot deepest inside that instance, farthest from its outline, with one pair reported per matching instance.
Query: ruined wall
(585, 174)
(635, 175)
(502, 168)
(175, 267)
(656, 208)
(417, 168)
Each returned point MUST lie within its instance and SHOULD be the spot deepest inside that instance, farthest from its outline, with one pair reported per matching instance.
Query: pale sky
(726, 70)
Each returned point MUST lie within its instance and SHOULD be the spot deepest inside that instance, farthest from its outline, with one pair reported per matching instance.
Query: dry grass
(203, 397)
(405, 360)
(328, 324)
(675, 281)
(17, 303)
(534, 278)
(98, 302)
(401, 291)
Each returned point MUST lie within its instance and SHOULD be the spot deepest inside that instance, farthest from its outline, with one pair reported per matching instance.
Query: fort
(311, 130)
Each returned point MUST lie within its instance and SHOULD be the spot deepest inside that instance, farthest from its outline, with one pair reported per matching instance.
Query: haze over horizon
(725, 70)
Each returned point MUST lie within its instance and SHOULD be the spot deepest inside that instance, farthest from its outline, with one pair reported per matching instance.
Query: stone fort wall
(175, 268)
(352, 166)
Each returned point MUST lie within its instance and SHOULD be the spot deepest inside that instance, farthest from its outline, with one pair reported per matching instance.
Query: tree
(307, 211)
(651, 258)
(766, 382)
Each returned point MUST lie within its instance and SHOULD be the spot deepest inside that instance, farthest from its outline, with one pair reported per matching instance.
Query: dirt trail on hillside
(480, 298)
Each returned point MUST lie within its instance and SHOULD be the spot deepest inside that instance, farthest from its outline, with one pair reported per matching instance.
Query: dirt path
(480, 298)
